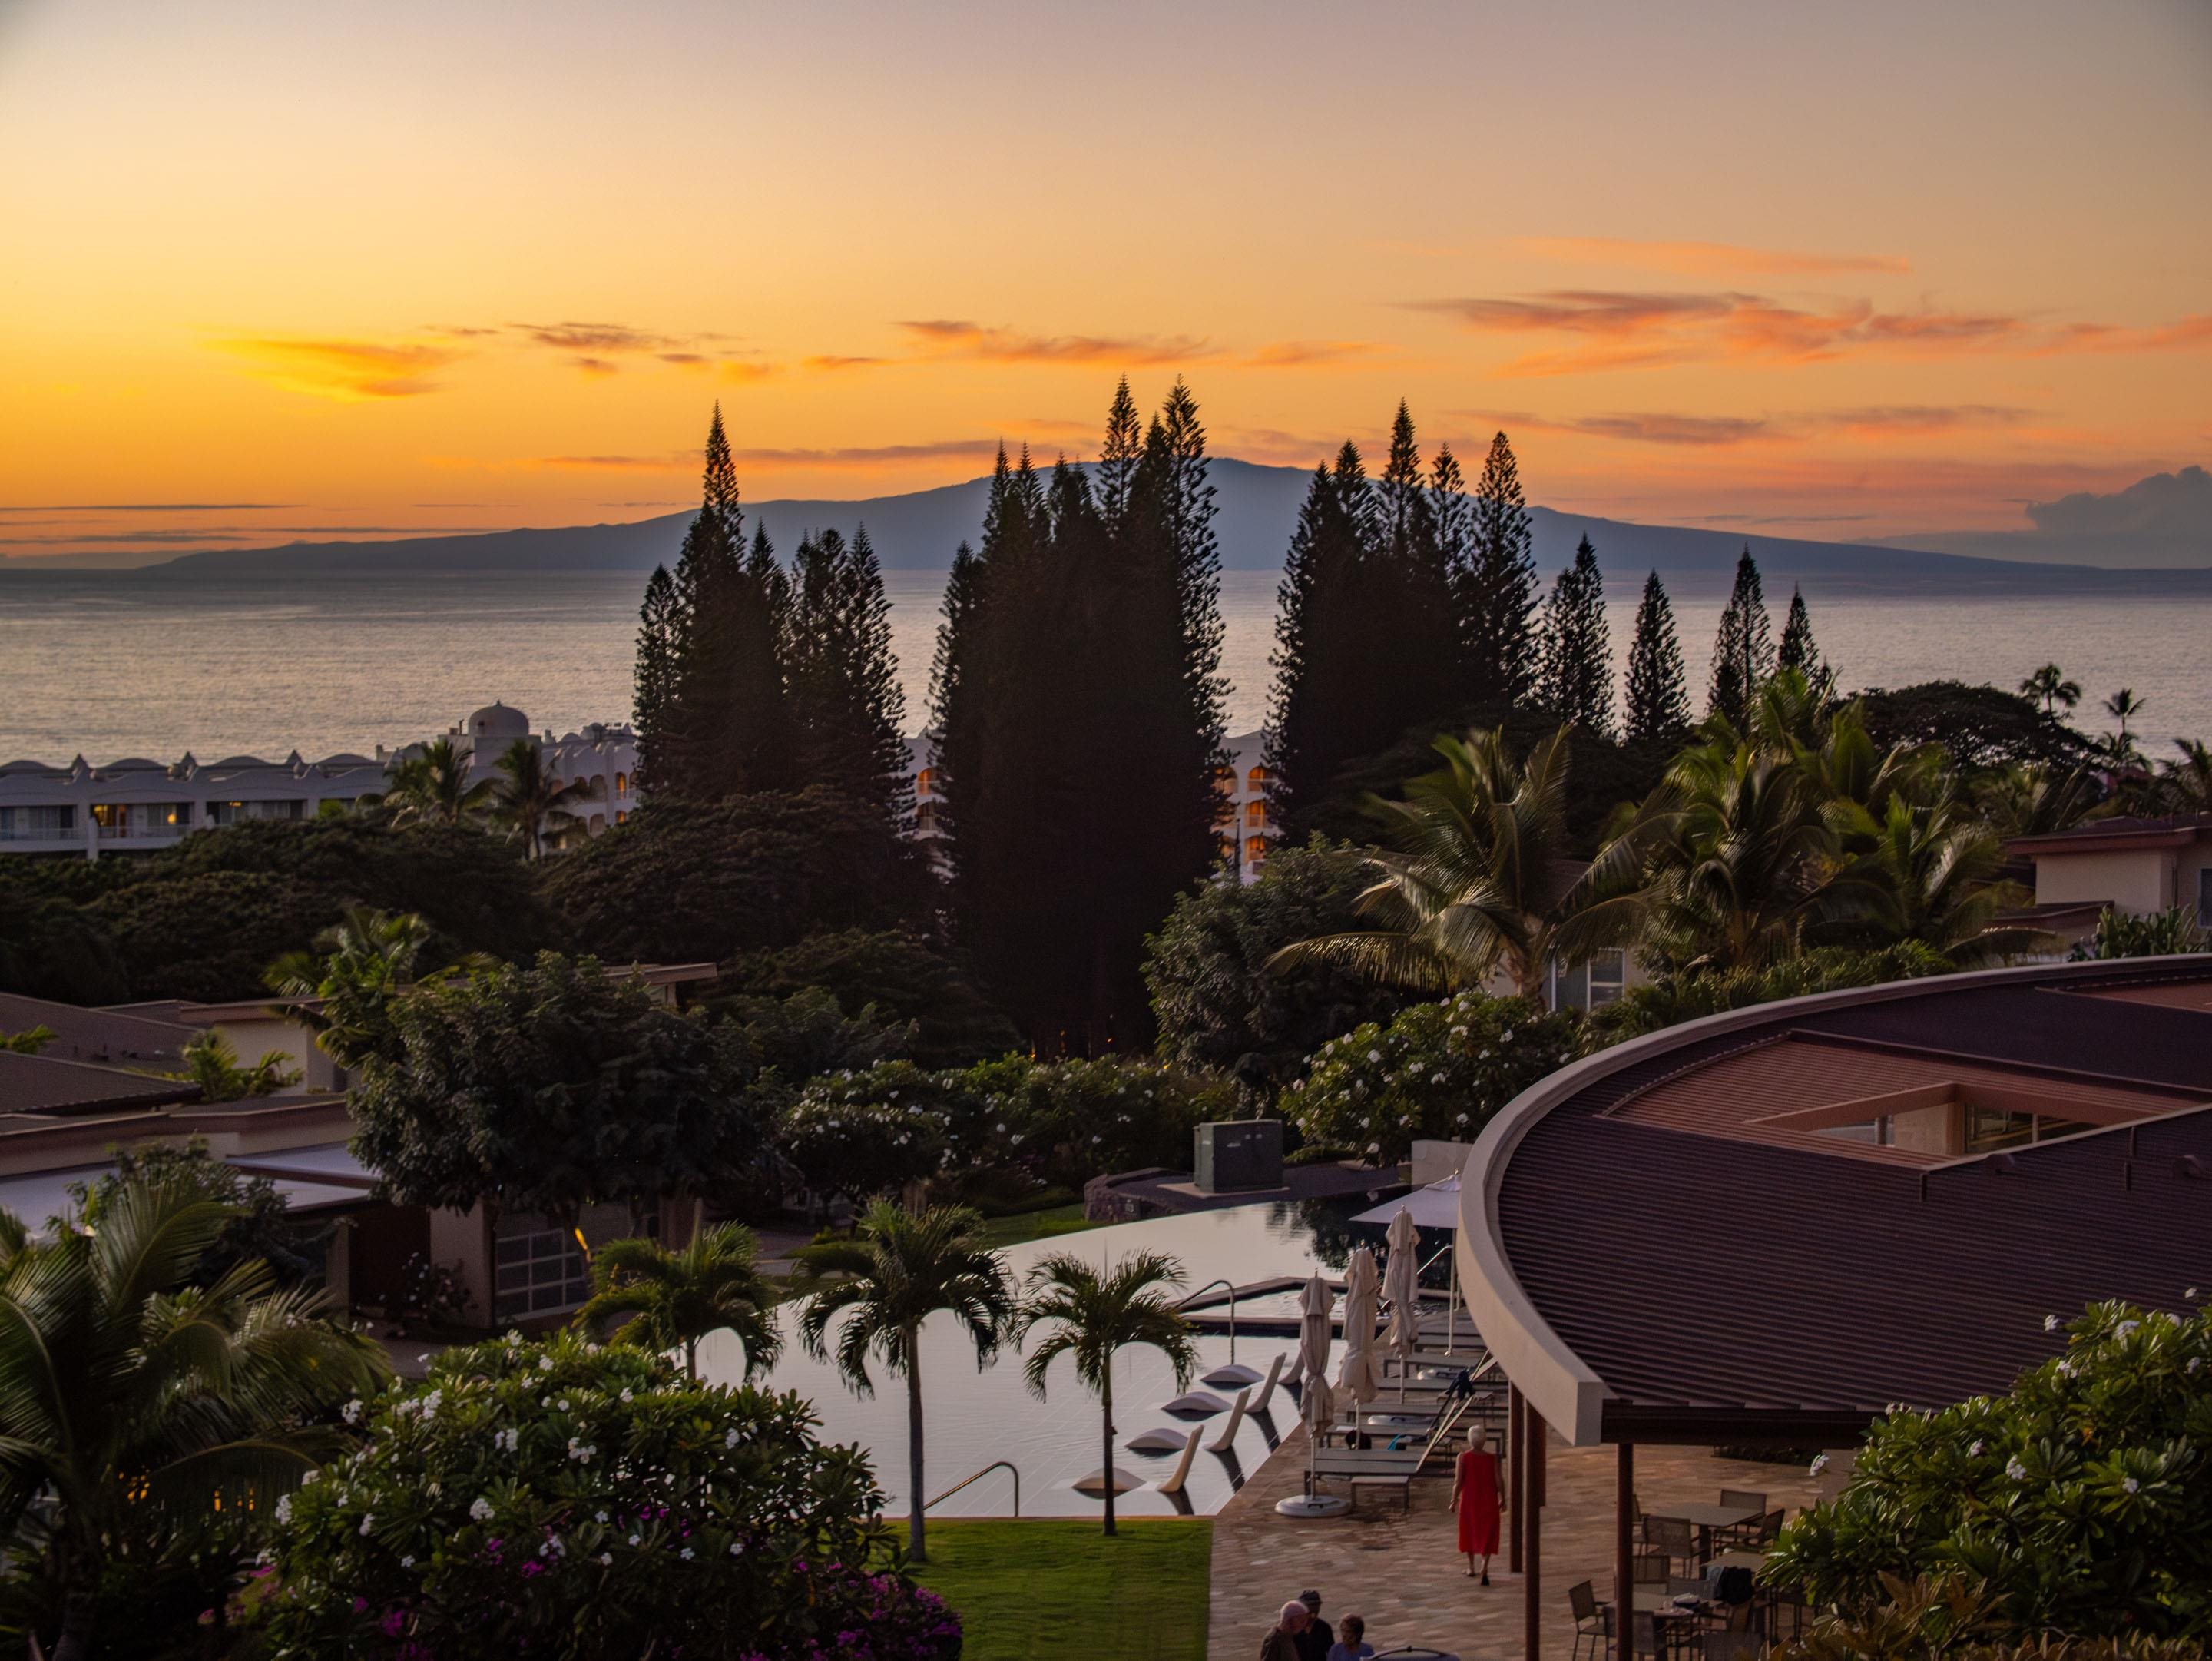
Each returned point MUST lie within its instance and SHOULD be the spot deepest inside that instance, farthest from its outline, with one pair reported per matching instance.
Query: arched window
(1255, 848)
(1255, 812)
(1259, 776)
(622, 784)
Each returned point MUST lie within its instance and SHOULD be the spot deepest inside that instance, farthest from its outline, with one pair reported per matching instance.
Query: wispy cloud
(1707, 431)
(1309, 354)
(599, 338)
(673, 461)
(685, 360)
(150, 507)
(830, 362)
(1716, 259)
(1632, 329)
(960, 337)
(349, 371)
(743, 370)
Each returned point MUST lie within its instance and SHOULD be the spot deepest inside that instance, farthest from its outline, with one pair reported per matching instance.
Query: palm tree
(2049, 687)
(211, 1062)
(139, 1406)
(2186, 786)
(528, 800)
(433, 788)
(677, 1298)
(1927, 872)
(2034, 799)
(359, 965)
(903, 1267)
(1740, 853)
(2123, 706)
(1479, 878)
(1098, 1311)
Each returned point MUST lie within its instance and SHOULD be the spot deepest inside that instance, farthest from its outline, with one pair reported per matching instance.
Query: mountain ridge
(918, 531)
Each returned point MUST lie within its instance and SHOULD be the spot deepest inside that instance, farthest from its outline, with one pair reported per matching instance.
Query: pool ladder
(994, 1465)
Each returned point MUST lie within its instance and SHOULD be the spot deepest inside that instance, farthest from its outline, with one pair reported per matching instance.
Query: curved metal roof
(1661, 1277)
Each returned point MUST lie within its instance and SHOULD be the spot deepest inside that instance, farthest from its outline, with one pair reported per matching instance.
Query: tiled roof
(35, 1084)
(96, 1035)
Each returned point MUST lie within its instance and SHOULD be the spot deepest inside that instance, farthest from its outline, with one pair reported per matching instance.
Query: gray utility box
(1234, 1154)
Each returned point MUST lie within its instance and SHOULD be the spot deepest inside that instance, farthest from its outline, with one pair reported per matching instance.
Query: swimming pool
(972, 1418)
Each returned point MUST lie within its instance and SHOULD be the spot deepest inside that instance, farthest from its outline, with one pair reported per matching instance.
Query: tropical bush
(1055, 1122)
(2081, 1501)
(1674, 998)
(2157, 935)
(1218, 1004)
(1438, 1070)
(562, 1499)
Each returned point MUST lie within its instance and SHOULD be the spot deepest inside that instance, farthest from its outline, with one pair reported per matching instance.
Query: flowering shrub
(1055, 1121)
(2080, 1503)
(561, 1498)
(1437, 1070)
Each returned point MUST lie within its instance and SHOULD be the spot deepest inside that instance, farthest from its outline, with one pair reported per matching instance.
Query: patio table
(1705, 1519)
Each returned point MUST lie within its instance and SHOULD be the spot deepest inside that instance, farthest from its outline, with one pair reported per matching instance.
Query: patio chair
(1743, 1499)
(1593, 1621)
(1673, 1537)
(1755, 1536)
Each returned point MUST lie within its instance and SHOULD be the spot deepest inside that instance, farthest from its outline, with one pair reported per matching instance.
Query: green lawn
(1029, 1588)
(1001, 1231)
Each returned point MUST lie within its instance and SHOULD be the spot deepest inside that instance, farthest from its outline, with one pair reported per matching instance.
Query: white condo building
(137, 805)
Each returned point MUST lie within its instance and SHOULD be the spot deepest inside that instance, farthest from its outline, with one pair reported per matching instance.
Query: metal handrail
(1220, 1281)
(978, 1476)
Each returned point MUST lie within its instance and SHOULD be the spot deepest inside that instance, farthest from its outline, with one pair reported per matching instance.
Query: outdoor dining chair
(1743, 1499)
(1593, 1620)
(1675, 1538)
(1755, 1536)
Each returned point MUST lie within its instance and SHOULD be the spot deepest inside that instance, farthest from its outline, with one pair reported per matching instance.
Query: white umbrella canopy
(1361, 1375)
(1316, 1405)
(1436, 1206)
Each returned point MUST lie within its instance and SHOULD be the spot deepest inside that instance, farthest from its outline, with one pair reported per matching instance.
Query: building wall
(2138, 880)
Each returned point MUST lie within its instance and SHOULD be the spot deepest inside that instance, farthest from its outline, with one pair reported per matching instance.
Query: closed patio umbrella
(1361, 1375)
(1401, 1287)
(1317, 1403)
(1436, 1206)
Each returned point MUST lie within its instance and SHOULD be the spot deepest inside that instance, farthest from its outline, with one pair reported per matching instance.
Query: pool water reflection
(971, 1418)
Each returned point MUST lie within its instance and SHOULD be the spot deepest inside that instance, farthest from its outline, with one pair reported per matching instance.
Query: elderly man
(1281, 1643)
(1313, 1639)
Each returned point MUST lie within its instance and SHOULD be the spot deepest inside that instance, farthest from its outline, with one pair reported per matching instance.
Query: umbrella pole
(1451, 1309)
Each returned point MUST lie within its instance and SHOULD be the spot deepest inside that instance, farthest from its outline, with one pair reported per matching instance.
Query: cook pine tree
(1575, 678)
(1658, 712)
(1743, 650)
(1798, 650)
(1497, 590)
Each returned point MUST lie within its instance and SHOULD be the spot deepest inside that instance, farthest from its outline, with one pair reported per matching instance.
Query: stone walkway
(1401, 1573)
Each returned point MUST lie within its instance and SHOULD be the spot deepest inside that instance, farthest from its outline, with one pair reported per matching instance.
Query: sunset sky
(285, 270)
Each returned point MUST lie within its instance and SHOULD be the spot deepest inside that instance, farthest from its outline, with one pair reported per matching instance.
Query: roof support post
(1534, 1430)
(1515, 1449)
(1624, 1556)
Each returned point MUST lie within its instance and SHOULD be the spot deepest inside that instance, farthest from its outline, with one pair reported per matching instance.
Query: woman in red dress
(1477, 1487)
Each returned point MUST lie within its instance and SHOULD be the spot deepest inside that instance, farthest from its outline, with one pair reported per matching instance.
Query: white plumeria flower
(285, 1509)
(1974, 1449)
(368, 1522)
(480, 1508)
(2015, 1469)
(606, 1560)
(2050, 1323)
(633, 1539)
(351, 1412)
(408, 1562)
(2128, 1484)
(685, 1554)
(1820, 1463)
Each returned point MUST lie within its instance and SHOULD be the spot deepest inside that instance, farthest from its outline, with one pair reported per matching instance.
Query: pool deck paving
(1401, 1570)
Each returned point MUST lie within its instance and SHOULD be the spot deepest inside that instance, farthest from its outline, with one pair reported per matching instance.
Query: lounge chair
(1173, 1485)
(1227, 1440)
(1267, 1390)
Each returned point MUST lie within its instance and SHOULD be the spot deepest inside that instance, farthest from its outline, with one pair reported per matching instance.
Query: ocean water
(109, 664)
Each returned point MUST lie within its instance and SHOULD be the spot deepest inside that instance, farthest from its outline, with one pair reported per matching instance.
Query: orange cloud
(1702, 258)
(1633, 330)
(960, 337)
(349, 371)
(597, 338)
(832, 362)
(596, 366)
(743, 371)
(676, 461)
(1308, 354)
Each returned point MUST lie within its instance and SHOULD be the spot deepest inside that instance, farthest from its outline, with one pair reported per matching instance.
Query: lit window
(1259, 776)
(1256, 848)
(1255, 812)
(622, 784)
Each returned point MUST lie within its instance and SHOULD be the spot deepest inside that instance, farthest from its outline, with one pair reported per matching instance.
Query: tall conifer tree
(1798, 651)
(661, 625)
(1498, 592)
(1743, 651)
(1312, 721)
(1658, 712)
(845, 700)
(1576, 679)
(1454, 517)
(724, 717)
